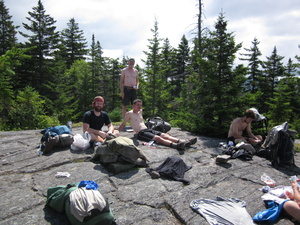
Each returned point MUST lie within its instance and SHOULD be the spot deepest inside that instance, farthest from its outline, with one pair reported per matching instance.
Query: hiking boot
(222, 159)
(190, 142)
(154, 174)
(110, 137)
(141, 162)
(180, 146)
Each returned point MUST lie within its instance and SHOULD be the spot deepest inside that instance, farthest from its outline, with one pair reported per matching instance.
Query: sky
(123, 27)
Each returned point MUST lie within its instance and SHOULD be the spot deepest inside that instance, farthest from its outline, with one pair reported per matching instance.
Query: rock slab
(135, 198)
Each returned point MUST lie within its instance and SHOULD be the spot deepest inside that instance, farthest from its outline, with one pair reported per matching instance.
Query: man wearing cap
(93, 121)
(238, 125)
(129, 83)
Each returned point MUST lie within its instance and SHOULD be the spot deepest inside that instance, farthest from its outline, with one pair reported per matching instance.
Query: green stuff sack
(59, 195)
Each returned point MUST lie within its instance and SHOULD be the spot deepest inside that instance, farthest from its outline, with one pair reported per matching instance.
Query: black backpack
(157, 123)
(279, 145)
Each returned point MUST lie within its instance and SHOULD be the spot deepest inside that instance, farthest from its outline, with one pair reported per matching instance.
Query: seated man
(135, 117)
(237, 127)
(94, 120)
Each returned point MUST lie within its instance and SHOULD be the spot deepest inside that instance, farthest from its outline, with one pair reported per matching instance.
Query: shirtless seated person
(135, 117)
(238, 125)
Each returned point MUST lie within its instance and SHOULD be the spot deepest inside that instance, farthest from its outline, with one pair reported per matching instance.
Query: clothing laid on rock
(244, 151)
(222, 211)
(173, 167)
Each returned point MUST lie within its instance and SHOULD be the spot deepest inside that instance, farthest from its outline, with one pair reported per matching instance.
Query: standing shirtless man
(129, 83)
(237, 127)
(135, 117)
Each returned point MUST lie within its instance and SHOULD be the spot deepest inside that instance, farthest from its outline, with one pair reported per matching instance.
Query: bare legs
(293, 209)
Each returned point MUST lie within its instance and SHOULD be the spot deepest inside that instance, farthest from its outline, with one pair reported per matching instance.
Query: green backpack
(58, 200)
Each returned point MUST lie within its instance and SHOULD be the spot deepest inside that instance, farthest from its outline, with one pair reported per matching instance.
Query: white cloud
(124, 27)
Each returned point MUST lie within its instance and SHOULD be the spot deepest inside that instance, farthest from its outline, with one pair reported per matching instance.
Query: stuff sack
(271, 214)
(57, 196)
(157, 123)
(279, 145)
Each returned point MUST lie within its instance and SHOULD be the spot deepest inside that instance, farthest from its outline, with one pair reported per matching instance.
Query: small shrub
(115, 115)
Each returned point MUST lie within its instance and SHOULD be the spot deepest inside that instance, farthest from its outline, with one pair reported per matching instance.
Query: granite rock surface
(134, 197)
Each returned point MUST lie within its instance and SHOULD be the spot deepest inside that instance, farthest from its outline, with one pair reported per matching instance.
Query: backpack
(58, 199)
(55, 136)
(279, 145)
(119, 149)
(157, 123)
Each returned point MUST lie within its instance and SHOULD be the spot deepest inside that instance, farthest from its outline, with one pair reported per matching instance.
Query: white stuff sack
(80, 143)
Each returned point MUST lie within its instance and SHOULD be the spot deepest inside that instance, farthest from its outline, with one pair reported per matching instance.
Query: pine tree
(75, 45)
(273, 72)
(43, 42)
(8, 31)
(254, 65)
(221, 85)
(96, 64)
(168, 61)
(183, 58)
(291, 68)
(8, 62)
(153, 74)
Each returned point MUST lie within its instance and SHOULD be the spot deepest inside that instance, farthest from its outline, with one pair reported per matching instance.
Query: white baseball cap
(258, 116)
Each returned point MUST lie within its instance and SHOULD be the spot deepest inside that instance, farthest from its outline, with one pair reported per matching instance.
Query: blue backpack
(48, 138)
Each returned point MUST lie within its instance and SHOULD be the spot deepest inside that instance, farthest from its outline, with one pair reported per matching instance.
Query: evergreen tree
(8, 61)
(79, 76)
(8, 31)
(113, 93)
(254, 65)
(42, 42)
(153, 73)
(96, 64)
(221, 85)
(168, 61)
(168, 68)
(183, 58)
(280, 104)
(290, 68)
(27, 111)
(273, 72)
(75, 45)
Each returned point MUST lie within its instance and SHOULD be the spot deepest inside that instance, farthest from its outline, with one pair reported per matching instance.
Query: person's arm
(249, 131)
(122, 84)
(125, 120)
(111, 129)
(85, 127)
(137, 80)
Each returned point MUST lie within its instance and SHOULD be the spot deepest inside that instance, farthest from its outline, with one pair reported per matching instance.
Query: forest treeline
(53, 76)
